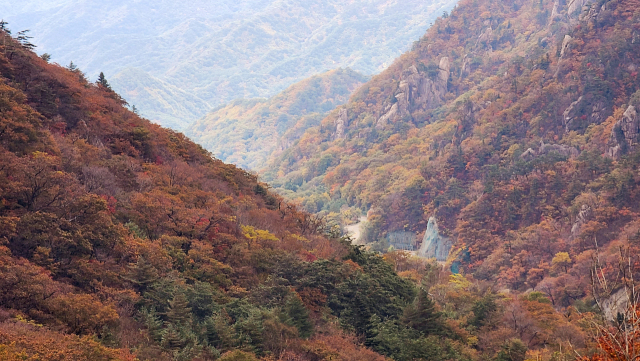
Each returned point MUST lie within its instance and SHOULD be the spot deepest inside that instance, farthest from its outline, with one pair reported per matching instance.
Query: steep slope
(222, 50)
(246, 132)
(512, 123)
(122, 239)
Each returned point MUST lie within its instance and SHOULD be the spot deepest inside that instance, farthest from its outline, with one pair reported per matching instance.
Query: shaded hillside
(247, 132)
(219, 51)
(511, 122)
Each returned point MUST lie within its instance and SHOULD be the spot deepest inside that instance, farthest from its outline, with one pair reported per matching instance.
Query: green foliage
(406, 344)
(423, 316)
(483, 310)
(298, 316)
(179, 313)
(512, 350)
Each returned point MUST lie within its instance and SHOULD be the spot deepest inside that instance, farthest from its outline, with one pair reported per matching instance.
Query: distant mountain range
(247, 132)
(201, 54)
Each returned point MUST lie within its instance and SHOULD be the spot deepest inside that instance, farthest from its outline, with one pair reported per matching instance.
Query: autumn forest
(492, 172)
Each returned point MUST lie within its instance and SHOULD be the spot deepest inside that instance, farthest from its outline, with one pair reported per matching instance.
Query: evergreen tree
(179, 312)
(423, 316)
(3, 26)
(250, 330)
(72, 67)
(513, 350)
(153, 323)
(102, 81)
(299, 316)
(219, 332)
(142, 274)
(25, 40)
(172, 339)
(482, 310)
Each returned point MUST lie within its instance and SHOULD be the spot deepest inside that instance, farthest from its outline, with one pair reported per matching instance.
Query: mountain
(218, 51)
(123, 240)
(514, 124)
(246, 132)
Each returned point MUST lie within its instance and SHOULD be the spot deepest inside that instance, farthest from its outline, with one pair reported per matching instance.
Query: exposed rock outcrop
(571, 115)
(556, 11)
(576, 6)
(416, 91)
(485, 38)
(581, 219)
(616, 303)
(402, 240)
(433, 244)
(566, 42)
(565, 150)
(341, 123)
(624, 136)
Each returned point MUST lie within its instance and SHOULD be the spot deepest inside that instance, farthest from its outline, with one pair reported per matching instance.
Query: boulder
(566, 42)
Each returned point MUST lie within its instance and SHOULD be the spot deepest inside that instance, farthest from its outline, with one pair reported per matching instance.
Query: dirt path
(354, 229)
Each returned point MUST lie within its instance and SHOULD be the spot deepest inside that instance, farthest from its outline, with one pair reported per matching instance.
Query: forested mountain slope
(515, 124)
(122, 240)
(156, 52)
(247, 132)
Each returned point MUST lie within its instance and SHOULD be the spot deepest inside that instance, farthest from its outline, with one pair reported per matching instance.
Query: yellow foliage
(258, 234)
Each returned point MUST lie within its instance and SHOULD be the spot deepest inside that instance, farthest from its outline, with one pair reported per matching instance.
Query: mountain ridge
(223, 51)
(247, 132)
(477, 101)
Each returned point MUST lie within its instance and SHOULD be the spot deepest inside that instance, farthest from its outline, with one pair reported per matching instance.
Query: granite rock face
(582, 218)
(595, 109)
(433, 244)
(566, 42)
(341, 123)
(564, 150)
(624, 136)
(416, 91)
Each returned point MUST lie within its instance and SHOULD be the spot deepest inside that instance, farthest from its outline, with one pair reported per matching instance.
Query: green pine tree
(513, 350)
(153, 323)
(219, 331)
(172, 339)
(423, 316)
(299, 316)
(179, 312)
(102, 81)
(142, 274)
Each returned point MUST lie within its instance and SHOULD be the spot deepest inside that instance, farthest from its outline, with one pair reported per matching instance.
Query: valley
(496, 160)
